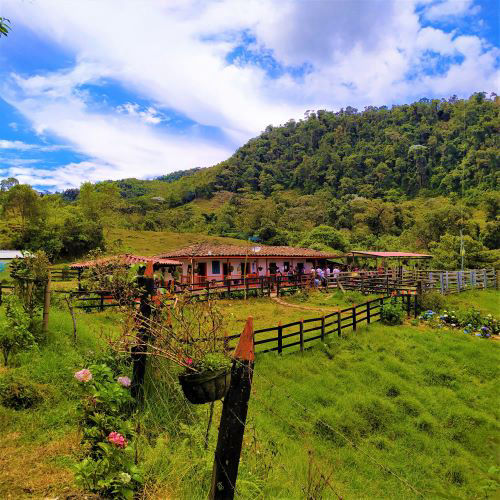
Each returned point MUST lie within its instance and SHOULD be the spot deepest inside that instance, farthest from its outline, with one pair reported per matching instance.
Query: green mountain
(409, 177)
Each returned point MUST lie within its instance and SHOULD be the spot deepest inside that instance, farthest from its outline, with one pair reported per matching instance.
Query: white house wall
(253, 263)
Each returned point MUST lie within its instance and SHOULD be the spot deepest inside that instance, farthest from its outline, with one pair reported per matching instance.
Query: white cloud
(446, 9)
(147, 115)
(23, 146)
(359, 52)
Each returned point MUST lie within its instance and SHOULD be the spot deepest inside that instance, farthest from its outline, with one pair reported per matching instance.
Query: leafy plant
(392, 313)
(15, 334)
(30, 275)
(109, 467)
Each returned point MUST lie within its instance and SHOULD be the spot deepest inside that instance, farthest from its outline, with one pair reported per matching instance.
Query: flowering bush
(109, 467)
(472, 322)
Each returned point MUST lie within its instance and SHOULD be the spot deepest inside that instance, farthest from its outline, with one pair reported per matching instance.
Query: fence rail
(364, 282)
(299, 333)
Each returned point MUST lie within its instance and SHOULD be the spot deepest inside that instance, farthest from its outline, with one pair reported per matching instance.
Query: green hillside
(412, 177)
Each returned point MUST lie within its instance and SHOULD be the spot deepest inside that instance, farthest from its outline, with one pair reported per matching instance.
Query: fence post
(229, 288)
(277, 286)
(301, 333)
(46, 305)
(138, 352)
(368, 319)
(233, 419)
(354, 318)
(485, 279)
(262, 286)
(339, 324)
(208, 290)
(280, 338)
(322, 328)
(441, 282)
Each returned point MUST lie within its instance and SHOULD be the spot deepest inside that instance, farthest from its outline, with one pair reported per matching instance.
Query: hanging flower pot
(207, 386)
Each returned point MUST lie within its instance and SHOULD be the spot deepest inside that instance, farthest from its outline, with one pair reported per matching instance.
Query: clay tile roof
(214, 250)
(126, 259)
(406, 255)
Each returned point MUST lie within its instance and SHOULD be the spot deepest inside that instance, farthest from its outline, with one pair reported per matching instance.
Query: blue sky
(103, 90)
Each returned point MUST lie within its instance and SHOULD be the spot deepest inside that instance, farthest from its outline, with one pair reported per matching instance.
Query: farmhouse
(216, 262)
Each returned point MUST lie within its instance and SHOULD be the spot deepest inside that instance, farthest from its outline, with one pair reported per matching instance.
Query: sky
(92, 90)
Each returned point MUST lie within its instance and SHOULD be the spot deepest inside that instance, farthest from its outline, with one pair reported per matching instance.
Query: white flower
(125, 478)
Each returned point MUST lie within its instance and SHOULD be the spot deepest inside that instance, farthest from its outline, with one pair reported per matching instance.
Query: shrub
(19, 393)
(392, 313)
(109, 466)
(15, 334)
(432, 301)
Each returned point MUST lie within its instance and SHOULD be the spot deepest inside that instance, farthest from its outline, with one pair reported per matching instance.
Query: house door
(225, 268)
(202, 269)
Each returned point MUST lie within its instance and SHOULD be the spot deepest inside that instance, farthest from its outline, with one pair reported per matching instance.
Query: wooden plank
(233, 419)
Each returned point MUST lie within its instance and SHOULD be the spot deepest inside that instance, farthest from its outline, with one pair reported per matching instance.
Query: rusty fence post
(233, 419)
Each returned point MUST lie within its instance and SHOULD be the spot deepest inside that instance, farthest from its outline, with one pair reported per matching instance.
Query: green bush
(392, 313)
(15, 334)
(432, 301)
(19, 393)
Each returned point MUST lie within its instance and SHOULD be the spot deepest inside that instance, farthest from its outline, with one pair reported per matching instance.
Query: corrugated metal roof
(407, 255)
(11, 254)
(126, 259)
(212, 250)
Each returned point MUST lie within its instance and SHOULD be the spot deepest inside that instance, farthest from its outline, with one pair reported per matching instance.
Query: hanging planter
(205, 387)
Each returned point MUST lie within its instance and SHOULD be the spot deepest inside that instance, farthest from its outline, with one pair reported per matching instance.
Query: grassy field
(420, 402)
(156, 242)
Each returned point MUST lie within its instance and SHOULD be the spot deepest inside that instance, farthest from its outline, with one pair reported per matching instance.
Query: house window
(216, 267)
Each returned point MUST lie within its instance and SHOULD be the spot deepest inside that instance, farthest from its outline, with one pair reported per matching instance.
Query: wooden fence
(300, 333)
(454, 281)
(364, 282)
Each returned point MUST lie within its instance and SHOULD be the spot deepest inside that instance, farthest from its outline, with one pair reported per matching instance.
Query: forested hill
(406, 178)
(374, 153)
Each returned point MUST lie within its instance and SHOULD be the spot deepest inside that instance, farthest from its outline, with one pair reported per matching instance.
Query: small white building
(208, 261)
(7, 255)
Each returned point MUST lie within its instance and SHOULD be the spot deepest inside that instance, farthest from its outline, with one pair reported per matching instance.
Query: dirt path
(305, 308)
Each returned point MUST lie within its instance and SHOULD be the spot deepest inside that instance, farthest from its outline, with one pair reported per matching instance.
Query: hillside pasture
(421, 403)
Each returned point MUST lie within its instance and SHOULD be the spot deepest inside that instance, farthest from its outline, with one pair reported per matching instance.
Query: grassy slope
(421, 402)
(155, 242)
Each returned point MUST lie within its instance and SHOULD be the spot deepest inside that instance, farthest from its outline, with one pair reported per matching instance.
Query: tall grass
(419, 402)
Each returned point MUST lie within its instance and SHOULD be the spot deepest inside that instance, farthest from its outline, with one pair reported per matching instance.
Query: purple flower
(124, 381)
